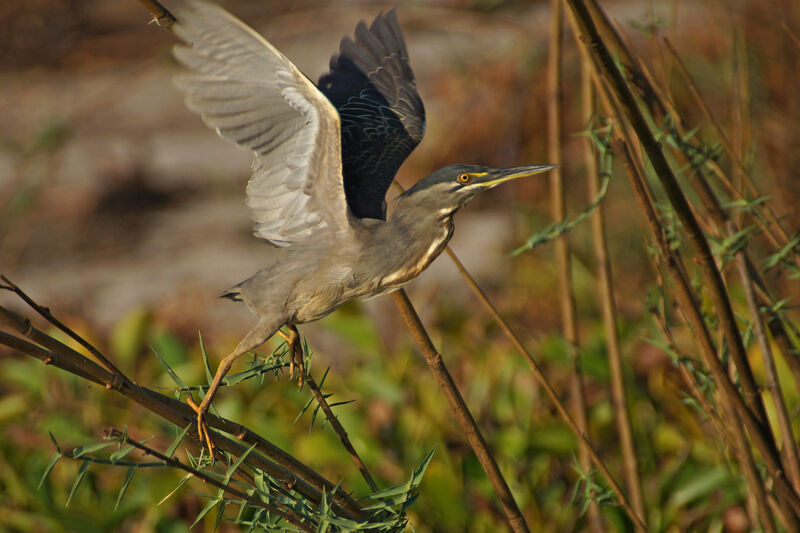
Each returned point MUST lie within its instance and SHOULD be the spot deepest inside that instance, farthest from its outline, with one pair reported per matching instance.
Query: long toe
(203, 433)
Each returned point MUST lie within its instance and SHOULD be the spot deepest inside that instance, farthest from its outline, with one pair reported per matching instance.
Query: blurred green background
(121, 212)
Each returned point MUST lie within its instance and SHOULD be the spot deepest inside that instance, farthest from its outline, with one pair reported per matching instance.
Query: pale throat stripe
(426, 258)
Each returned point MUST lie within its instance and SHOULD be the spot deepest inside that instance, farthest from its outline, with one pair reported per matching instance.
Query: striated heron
(324, 157)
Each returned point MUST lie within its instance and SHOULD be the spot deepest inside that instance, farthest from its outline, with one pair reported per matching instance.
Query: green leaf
(699, 486)
(206, 365)
(78, 479)
(77, 453)
(243, 505)
(183, 481)
(124, 487)
(556, 229)
(178, 381)
(220, 513)
(174, 446)
(53, 460)
(781, 254)
(210, 505)
(55, 443)
(261, 486)
(416, 478)
(121, 453)
(238, 462)
(405, 488)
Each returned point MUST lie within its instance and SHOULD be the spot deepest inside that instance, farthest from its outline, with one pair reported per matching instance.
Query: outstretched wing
(382, 116)
(252, 95)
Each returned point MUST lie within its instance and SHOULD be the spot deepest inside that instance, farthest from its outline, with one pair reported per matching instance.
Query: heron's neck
(412, 211)
(419, 233)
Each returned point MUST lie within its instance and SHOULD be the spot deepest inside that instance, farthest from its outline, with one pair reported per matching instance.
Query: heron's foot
(203, 432)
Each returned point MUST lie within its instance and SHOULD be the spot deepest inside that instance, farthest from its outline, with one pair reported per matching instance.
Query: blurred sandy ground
(114, 196)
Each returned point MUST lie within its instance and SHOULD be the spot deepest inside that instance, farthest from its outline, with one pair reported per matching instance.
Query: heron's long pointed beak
(498, 176)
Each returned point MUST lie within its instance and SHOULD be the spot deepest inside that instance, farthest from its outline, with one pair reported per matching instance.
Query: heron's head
(451, 187)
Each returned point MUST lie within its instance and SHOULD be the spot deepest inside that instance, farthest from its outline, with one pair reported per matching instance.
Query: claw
(203, 432)
(295, 354)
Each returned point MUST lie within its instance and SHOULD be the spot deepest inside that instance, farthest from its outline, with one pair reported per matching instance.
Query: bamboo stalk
(608, 305)
(705, 258)
(646, 196)
(727, 425)
(459, 407)
(693, 315)
(789, 451)
(569, 321)
(660, 103)
(749, 276)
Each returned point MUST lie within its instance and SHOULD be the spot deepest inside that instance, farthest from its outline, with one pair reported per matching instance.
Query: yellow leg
(202, 428)
(261, 332)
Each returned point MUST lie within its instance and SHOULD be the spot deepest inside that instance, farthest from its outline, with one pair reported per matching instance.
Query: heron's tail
(234, 293)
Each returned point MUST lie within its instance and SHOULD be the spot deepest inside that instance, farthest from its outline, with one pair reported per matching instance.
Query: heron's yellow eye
(463, 178)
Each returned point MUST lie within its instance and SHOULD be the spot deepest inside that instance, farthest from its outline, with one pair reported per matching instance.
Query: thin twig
(45, 313)
(539, 375)
(160, 14)
(792, 36)
(435, 361)
(340, 431)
